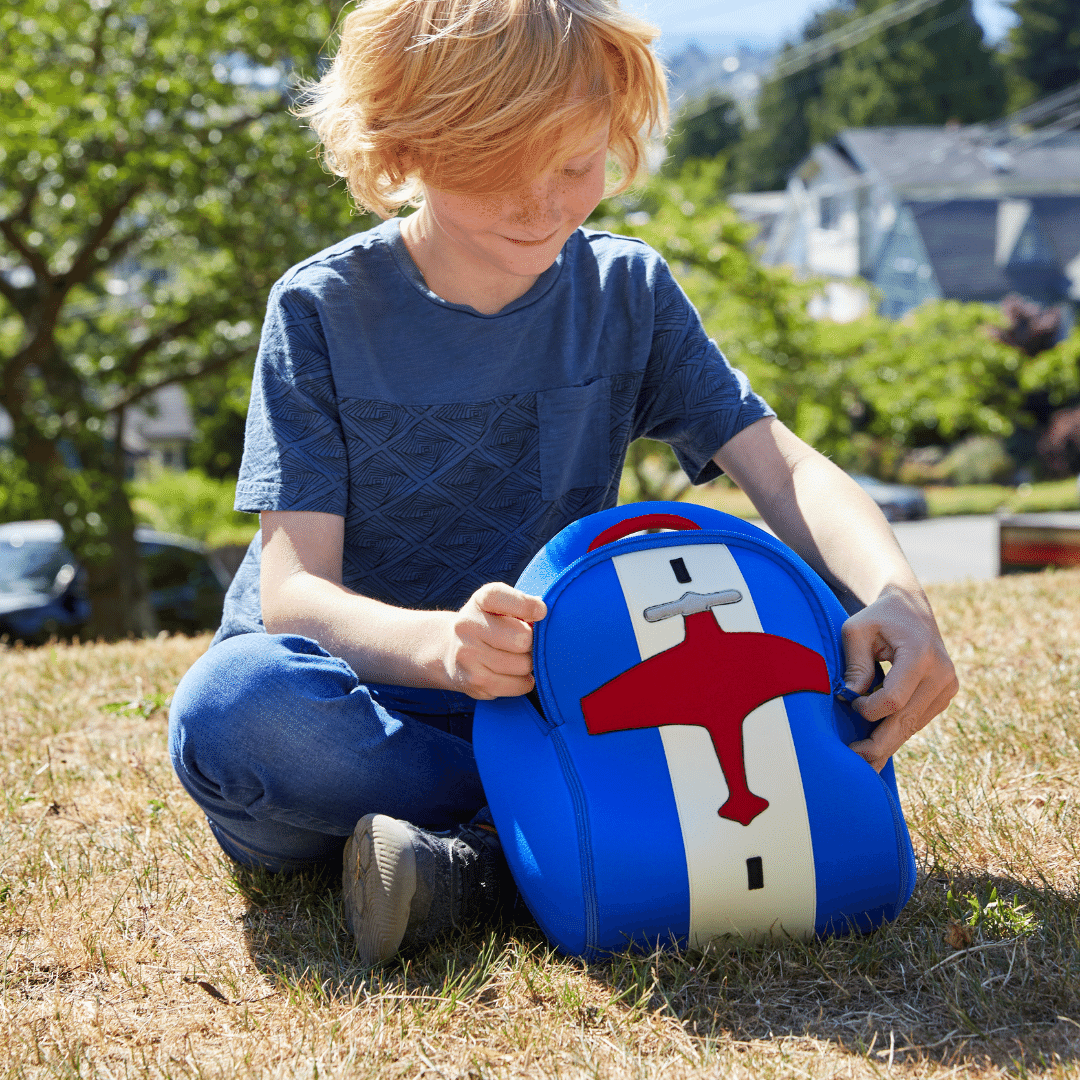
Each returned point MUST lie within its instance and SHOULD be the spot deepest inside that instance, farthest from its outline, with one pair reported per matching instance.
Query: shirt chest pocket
(575, 437)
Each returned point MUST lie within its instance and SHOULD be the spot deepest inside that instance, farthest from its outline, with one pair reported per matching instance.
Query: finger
(860, 661)
(497, 598)
(496, 686)
(900, 685)
(501, 662)
(506, 634)
(892, 733)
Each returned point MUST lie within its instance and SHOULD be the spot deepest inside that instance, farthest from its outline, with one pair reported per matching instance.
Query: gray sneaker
(404, 886)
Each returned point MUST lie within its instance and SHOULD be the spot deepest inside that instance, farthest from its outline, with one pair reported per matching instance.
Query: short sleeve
(294, 451)
(691, 398)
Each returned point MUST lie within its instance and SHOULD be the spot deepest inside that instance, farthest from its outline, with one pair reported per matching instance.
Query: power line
(889, 47)
(852, 33)
(1051, 116)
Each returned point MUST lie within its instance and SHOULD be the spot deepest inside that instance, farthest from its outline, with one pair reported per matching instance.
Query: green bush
(19, 498)
(867, 392)
(979, 459)
(191, 504)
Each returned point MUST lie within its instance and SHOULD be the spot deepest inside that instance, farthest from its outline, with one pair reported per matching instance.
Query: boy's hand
(489, 654)
(898, 627)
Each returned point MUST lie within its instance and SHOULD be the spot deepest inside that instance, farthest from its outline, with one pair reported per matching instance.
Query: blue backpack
(682, 769)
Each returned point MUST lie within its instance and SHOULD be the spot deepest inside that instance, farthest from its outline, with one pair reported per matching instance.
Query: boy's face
(521, 232)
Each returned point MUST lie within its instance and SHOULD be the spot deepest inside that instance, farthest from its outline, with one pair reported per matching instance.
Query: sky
(761, 22)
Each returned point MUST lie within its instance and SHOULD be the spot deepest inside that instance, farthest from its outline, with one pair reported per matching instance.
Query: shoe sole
(378, 881)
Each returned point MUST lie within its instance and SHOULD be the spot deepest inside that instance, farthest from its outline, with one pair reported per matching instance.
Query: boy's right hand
(489, 653)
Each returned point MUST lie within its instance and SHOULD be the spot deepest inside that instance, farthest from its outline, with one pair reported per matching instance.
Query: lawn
(132, 949)
(1045, 496)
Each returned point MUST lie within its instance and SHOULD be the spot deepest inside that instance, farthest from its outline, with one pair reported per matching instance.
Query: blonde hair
(476, 95)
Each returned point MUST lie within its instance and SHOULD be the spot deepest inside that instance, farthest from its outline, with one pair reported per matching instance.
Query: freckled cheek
(581, 199)
(531, 209)
(483, 208)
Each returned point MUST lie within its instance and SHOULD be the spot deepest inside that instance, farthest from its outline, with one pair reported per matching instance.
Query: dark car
(43, 588)
(898, 502)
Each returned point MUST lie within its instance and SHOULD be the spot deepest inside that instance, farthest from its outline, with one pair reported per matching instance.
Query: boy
(433, 400)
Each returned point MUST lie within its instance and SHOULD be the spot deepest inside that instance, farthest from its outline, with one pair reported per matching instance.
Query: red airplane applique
(711, 679)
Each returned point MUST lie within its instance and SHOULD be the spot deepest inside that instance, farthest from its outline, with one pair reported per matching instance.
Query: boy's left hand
(898, 627)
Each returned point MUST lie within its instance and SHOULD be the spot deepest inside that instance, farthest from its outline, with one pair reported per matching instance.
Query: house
(159, 431)
(937, 212)
(155, 432)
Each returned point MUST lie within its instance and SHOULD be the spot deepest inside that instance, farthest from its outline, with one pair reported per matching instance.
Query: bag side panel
(851, 822)
(858, 859)
(535, 814)
(908, 870)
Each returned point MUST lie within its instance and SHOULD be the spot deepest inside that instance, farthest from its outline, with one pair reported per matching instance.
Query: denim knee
(272, 728)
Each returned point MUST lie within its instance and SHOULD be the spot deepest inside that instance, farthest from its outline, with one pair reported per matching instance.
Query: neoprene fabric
(683, 770)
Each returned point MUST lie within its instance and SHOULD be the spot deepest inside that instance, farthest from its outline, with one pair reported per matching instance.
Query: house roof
(942, 162)
(981, 249)
(959, 239)
(760, 208)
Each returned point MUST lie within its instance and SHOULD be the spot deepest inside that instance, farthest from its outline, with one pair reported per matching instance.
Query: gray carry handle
(690, 603)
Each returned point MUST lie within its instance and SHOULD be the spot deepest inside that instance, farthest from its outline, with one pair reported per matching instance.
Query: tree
(153, 184)
(703, 131)
(1043, 51)
(219, 405)
(865, 392)
(781, 137)
(931, 69)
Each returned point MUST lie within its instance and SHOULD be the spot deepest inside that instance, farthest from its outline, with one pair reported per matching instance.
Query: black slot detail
(755, 875)
(534, 697)
(682, 575)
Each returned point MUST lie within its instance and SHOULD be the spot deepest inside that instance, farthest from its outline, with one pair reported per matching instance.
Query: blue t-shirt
(455, 444)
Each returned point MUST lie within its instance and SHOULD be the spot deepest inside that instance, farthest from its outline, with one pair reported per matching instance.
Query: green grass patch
(1043, 497)
(191, 504)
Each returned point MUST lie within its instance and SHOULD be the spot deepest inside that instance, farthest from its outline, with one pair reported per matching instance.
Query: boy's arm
(820, 512)
(484, 650)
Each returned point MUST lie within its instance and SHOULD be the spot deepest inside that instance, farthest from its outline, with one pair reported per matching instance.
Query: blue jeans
(284, 749)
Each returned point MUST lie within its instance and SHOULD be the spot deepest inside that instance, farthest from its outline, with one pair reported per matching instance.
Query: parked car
(898, 502)
(43, 588)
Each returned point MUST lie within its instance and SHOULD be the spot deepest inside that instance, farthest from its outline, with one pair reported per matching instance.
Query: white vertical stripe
(716, 848)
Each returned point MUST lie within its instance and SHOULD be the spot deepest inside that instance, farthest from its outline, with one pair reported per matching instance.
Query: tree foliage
(192, 504)
(153, 184)
(931, 69)
(219, 403)
(1043, 51)
(703, 131)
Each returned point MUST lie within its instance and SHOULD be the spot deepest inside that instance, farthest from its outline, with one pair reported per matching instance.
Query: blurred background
(874, 205)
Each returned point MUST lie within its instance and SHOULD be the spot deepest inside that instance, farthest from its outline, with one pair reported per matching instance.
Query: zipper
(584, 839)
(903, 851)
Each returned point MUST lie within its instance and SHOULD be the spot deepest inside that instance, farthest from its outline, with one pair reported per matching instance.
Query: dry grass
(131, 949)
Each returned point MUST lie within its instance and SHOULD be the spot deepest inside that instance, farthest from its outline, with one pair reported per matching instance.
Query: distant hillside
(696, 70)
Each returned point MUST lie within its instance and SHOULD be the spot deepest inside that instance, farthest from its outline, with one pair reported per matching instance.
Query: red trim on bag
(639, 524)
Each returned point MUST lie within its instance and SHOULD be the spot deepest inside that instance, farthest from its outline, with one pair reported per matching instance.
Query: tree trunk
(93, 509)
(116, 580)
